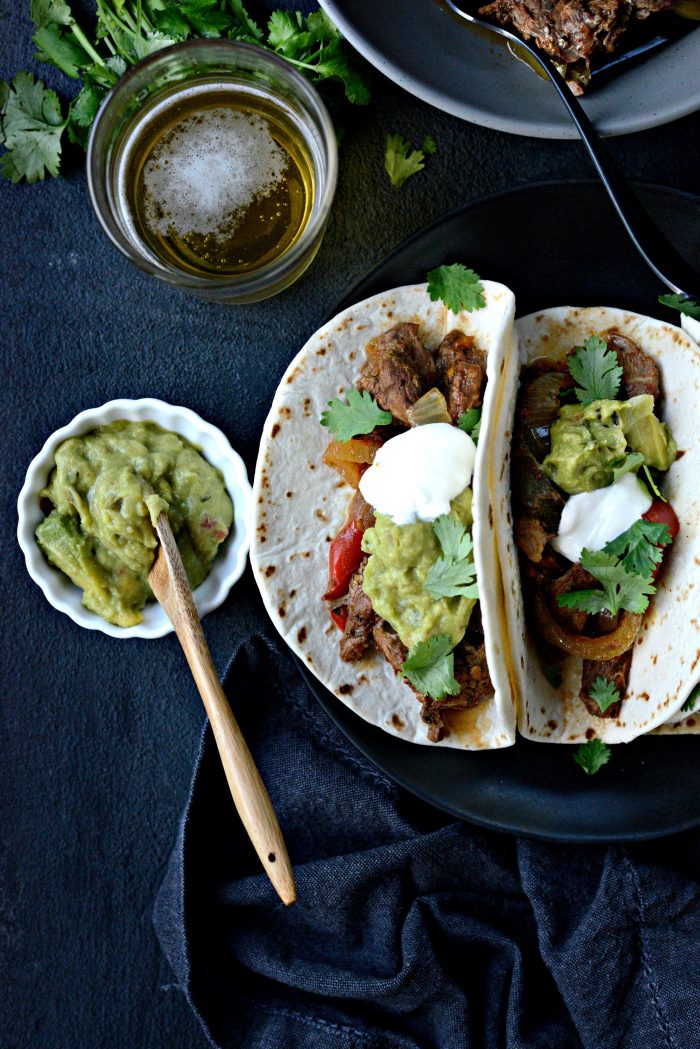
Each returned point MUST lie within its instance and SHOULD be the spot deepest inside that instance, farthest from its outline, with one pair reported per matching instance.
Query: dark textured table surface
(98, 735)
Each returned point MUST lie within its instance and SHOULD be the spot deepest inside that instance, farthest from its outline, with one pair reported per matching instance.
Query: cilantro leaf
(642, 545)
(456, 286)
(246, 27)
(400, 160)
(451, 579)
(594, 367)
(429, 146)
(453, 537)
(61, 50)
(604, 693)
(553, 674)
(592, 756)
(360, 415)
(691, 701)
(31, 126)
(653, 485)
(621, 589)
(680, 302)
(470, 422)
(430, 667)
(629, 463)
(453, 574)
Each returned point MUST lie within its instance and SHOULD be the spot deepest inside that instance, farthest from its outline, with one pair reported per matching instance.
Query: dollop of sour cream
(592, 519)
(416, 474)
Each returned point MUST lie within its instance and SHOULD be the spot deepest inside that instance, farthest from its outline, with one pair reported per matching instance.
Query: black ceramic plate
(555, 244)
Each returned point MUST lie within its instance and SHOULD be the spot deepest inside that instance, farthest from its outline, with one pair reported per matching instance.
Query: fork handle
(658, 253)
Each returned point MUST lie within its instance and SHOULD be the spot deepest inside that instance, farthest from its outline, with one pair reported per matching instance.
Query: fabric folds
(412, 930)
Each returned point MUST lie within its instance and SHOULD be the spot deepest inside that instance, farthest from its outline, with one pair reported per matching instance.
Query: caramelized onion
(606, 647)
(430, 408)
(540, 407)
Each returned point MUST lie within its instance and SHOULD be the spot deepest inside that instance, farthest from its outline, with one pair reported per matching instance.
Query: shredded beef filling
(572, 30)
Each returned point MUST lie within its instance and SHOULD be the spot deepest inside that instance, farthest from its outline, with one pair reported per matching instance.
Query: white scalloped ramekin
(230, 561)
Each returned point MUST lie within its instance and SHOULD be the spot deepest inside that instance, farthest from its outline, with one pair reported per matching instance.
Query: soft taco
(598, 535)
(380, 356)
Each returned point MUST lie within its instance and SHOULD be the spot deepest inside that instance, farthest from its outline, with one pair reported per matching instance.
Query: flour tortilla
(666, 662)
(300, 504)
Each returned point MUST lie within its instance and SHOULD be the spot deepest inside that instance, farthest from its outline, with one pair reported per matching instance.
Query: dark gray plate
(434, 55)
(554, 244)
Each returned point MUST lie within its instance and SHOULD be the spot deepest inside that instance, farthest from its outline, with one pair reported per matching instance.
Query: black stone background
(98, 735)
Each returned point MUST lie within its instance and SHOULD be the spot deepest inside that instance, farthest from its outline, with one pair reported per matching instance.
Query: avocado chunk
(646, 434)
(589, 440)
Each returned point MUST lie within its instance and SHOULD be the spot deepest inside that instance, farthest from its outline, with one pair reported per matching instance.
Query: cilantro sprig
(453, 574)
(604, 693)
(430, 667)
(591, 756)
(628, 463)
(470, 422)
(401, 159)
(620, 589)
(641, 547)
(32, 122)
(594, 367)
(691, 702)
(31, 126)
(653, 485)
(680, 302)
(458, 287)
(360, 415)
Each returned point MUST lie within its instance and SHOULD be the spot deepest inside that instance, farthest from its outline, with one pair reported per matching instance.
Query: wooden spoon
(169, 584)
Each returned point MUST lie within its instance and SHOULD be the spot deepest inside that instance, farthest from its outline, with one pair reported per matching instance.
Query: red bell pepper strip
(344, 556)
(662, 513)
(340, 617)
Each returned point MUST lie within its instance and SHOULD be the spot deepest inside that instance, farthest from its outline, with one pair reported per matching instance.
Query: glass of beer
(212, 165)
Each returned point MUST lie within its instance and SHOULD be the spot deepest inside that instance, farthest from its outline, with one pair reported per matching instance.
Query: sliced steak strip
(576, 578)
(462, 369)
(640, 373)
(471, 670)
(361, 618)
(533, 491)
(397, 369)
(531, 537)
(615, 670)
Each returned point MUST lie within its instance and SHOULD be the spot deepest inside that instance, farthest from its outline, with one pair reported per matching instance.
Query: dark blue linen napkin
(412, 930)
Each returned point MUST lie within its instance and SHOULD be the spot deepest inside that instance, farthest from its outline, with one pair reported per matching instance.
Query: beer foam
(204, 174)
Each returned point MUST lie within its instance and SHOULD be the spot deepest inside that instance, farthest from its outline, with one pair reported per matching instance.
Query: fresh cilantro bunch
(360, 415)
(33, 122)
(453, 574)
(594, 367)
(429, 667)
(458, 287)
(401, 160)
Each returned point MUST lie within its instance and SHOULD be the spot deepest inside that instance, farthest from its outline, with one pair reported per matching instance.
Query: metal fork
(658, 253)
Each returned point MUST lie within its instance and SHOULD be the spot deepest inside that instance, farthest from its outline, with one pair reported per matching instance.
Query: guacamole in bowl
(88, 507)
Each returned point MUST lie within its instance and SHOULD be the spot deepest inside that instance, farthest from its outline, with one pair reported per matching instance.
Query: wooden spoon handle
(247, 788)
